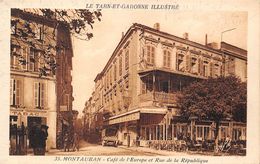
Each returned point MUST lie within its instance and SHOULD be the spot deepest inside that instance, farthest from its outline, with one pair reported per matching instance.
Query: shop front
(137, 126)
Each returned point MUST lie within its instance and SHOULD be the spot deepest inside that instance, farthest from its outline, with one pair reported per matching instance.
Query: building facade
(136, 90)
(37, 92)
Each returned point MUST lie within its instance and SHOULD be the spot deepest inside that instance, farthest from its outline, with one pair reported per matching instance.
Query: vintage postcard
(130, 81)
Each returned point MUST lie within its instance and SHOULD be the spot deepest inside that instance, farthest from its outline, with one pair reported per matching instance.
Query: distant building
(41, 100)
(136, 90)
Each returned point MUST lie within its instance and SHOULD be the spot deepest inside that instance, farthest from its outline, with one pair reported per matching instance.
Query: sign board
(63, 108)
(125, 118)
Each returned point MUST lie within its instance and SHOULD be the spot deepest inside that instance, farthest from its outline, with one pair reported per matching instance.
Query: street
(88, 149)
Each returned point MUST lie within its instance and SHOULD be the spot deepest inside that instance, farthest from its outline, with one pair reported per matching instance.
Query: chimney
(213, 45)
(156, 26)
(186, 36)
(206, 39)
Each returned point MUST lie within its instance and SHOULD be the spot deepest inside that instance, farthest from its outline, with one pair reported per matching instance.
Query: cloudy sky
(91, 56)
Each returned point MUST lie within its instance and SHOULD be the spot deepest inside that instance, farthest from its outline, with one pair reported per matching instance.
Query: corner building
(136, 90)
(39, 100)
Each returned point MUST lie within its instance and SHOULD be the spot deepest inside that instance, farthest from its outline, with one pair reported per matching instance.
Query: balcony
(160, 97)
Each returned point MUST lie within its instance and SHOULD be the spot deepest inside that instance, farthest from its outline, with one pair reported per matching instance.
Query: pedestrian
(76, 142)
(66, 142)
(34, 138)
(22, 133)
(42, 139)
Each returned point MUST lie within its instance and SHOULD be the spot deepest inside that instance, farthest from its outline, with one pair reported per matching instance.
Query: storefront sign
(24, 113)
(125, 118)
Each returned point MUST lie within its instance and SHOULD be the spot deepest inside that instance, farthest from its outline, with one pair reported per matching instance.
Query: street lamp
(225, 32)
(221, 46)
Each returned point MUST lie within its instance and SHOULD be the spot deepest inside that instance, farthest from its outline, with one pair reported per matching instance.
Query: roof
(159, 33)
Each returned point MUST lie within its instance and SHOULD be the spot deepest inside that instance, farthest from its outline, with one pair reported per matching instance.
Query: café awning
(134, 115)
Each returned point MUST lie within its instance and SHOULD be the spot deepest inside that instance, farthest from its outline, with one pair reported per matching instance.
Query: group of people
(37, 138)
(71, 141)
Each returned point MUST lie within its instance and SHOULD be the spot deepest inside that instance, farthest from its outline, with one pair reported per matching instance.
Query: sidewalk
(154, 151)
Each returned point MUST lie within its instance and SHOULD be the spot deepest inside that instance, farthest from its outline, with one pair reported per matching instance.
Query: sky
(91, 56)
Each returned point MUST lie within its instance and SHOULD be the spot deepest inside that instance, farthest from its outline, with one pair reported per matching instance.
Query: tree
(214, 99)
(78, 21)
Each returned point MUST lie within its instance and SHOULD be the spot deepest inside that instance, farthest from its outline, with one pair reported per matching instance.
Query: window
(127, 60)
(143, 87)
(120, 66)
(14, 26)
(205, 70)
(31, 60)
(231, 65)
(216, 70)
(206, 133)
(23, 59)
(16, 52)
(199, 132)
(115, 71)
(126, 84)
(150, 52)
(180, 62)
(194, 65)
(39, 32)
(39, 95)
(15, 92)
(167, 58)
(110, 76)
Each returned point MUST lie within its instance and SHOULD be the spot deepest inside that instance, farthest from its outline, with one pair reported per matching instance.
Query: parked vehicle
(109, 137)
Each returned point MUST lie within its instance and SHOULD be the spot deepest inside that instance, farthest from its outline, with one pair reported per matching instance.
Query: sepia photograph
(156, 90)
(134, 80)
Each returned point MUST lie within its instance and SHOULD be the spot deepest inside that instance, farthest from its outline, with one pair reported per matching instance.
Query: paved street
(98, 150)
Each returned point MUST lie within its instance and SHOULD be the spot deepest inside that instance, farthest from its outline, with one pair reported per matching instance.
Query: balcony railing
(161, 97)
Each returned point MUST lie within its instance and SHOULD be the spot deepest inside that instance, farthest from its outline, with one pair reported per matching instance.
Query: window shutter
(36, 94)
(41, 60)
(152, 55)
(222, 70)
(18, 92)
(24, 55)
(211, 69)
(43, 95)
(188, 63)
(11, 91)
(30, 60)
(177, 67)
(36, 61)
(148, 52)
(169, 59)
(200, 66)
(164, 58)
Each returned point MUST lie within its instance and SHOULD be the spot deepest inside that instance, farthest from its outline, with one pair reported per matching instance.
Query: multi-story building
(37, 96)
(92, 119)
(136, 90)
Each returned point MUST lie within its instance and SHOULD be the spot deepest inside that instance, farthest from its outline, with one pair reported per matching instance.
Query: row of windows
(116, 70)
(192, 64)
(113, 94)
(37, 29)
(17, 93)
(28, 59)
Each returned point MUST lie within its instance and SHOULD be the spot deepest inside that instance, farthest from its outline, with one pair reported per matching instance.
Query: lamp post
(224, 61)
(225, 32)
